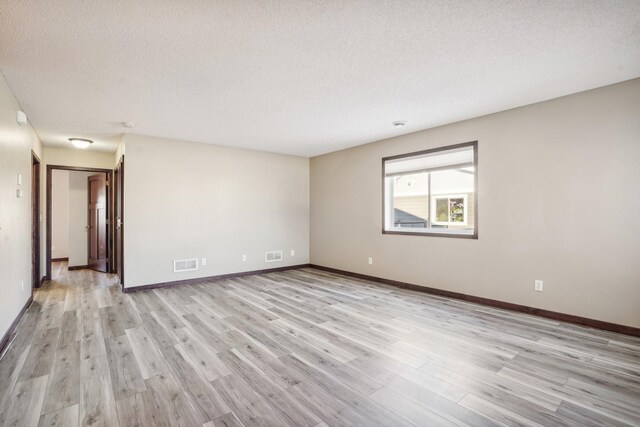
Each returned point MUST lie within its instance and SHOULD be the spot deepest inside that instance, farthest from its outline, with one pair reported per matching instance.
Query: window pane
(411, 200)
(456, 209)
(442, 210)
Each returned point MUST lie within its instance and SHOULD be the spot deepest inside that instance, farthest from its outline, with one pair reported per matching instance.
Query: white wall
(60, 214)
(557, 201)
(16, 143)
(78, 206)
(78, 157)
(187, 200)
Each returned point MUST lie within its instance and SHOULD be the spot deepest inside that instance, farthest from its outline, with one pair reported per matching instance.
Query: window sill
(433, 234)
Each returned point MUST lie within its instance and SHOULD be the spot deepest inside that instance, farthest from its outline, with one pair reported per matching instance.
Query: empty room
(320, 213)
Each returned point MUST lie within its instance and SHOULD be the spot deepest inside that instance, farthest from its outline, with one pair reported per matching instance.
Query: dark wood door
(97, 223)
(118, 201)
(35, 221)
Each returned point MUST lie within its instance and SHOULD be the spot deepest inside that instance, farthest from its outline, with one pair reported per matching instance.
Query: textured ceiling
(301, 77)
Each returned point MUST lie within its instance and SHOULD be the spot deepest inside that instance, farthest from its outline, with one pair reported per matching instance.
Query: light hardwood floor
(303, 348)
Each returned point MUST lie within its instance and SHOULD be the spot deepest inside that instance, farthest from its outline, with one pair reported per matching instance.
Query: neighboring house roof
(403, 217)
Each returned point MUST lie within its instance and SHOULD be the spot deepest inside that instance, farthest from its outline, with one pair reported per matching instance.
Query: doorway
(35, 222)
(98, 215)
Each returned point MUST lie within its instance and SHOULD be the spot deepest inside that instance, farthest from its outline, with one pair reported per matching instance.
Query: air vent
(273, 256)
(185, 265)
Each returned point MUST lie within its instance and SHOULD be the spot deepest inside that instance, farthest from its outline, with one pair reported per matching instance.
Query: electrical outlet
(293, 252)
(538, 285)
(22, 285)
(370, 260)
(244, 258)
(204, 262)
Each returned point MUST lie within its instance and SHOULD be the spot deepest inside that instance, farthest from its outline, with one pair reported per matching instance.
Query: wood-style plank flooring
(303, 348)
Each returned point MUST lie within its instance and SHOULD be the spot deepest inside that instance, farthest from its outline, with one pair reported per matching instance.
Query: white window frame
(449, 197)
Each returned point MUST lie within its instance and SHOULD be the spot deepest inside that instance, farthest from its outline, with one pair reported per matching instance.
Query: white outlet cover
(370, 260)
(204, 261)
(244, 258)
(293, 252)
(538, 285)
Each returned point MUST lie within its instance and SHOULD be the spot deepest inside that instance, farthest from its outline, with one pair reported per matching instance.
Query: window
(449, 210)
(432, 192)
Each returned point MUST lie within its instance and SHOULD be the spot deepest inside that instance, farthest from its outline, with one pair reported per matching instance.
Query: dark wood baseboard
(78, 267)
(570, 318)
(7, 336)
(212, 278)
(59, 259)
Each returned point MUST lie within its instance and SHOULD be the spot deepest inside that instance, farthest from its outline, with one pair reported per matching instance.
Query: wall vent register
(185, 265)
(273, 256)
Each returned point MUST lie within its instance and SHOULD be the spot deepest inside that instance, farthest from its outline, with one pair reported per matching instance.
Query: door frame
(36, 278)
(49, 184)
(118, 232)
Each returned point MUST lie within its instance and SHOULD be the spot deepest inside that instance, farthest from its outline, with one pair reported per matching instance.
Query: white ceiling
(301, 77)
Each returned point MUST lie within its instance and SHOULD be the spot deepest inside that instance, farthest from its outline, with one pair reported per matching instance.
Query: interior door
(35, 222)
(98, 251)
(118, 195)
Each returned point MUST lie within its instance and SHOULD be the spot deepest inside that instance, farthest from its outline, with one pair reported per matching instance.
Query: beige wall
(186, 200)
(16, 143)
(60, 214)
(77, 157)
(539, 166)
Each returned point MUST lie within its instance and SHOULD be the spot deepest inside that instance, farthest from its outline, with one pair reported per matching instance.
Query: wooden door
(97, 223)
(118, 201)
(35, 222)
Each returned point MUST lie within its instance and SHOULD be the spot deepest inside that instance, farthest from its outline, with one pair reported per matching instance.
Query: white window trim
(449, 197)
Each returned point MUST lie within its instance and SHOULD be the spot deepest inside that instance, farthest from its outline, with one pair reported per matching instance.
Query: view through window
(432, 192)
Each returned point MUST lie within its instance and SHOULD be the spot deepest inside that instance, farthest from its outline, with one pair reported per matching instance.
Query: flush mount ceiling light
(399, 123)
(80, 142)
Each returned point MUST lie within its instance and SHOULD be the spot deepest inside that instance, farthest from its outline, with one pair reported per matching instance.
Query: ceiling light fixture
(399, 123)
(80, 142)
